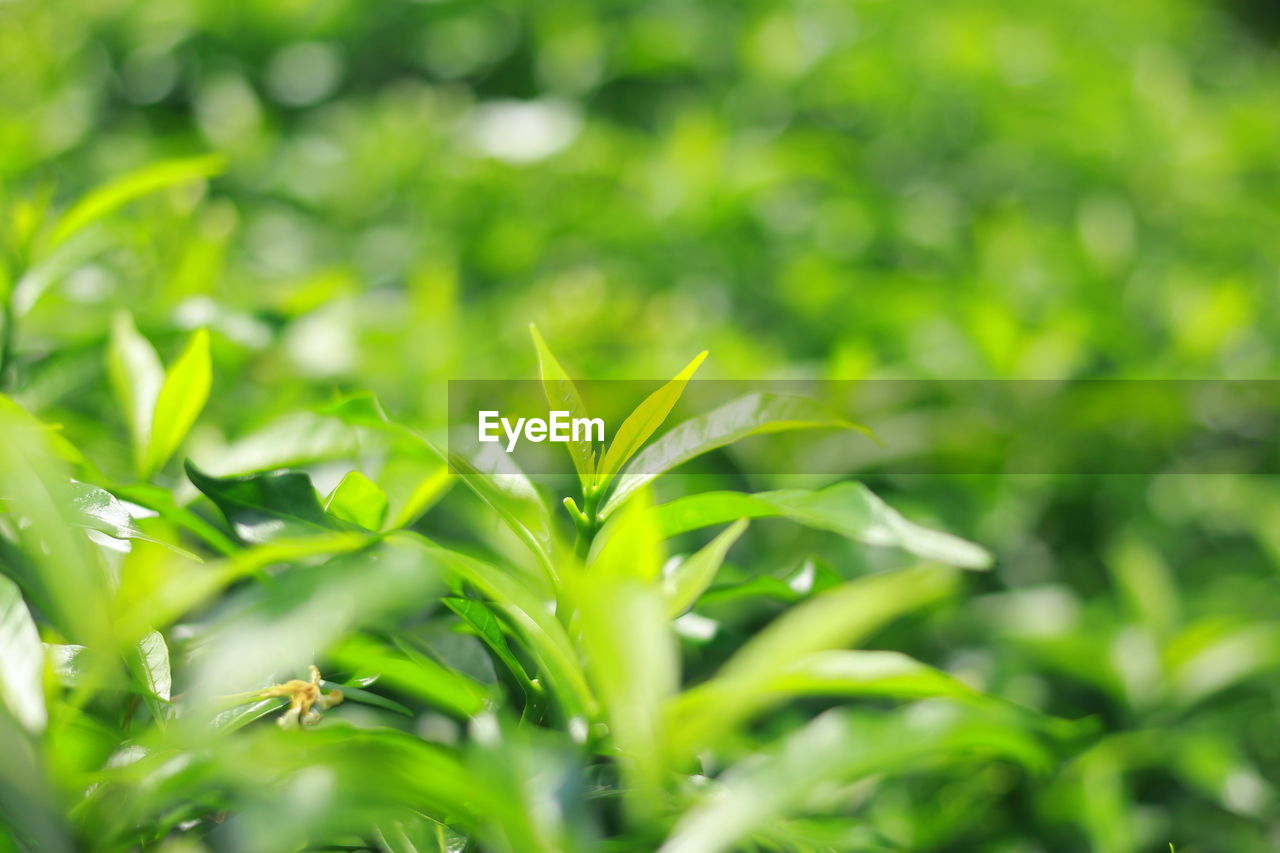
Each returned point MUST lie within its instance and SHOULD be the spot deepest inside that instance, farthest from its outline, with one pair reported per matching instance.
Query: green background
(819, 188)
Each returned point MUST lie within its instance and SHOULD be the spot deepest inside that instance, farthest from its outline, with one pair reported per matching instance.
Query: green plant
(505, 690)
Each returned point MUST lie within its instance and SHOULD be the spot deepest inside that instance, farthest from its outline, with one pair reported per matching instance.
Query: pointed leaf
(366, 697)
(685, 585)
(850, 509)
(645, 420)
(487, 627)
(629, 545)
(834, 619)
(150, 663)
(185, 391)
(836, 748)
(359, 500)
(120, 191)
(262, 507)
(136, 377)
(735, 420)
(562, 395)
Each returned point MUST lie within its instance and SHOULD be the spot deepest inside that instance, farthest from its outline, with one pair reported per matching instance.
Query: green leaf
(236, 718)
(21, 659)
(412, 493)
(847, 672)
(185, 391)
(481, 619)
(367, 697)
(155, 665)
(644, 421)
(750, 415)
(684, 586)
(359, 500)
(833, 750)
(833, 619)
(113, 194)
(839, 616)
(98, 509)
(544, 637)
(633, 663)
(136, 377)
(509, 493)
(562, 395)
(850, 509)
(67, 661)
(266, 506)
(291, 441)
(420, 676)
(149, 662)
(162, 502)
(629, 545)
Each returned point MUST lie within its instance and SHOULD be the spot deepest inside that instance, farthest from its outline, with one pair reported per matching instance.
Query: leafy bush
(807, 188)
(532, 697)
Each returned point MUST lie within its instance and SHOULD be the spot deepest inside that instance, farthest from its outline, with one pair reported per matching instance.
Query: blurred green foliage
(805, 188)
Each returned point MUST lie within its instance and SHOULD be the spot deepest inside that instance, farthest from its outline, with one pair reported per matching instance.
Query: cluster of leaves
(812, 188)
(522, 696)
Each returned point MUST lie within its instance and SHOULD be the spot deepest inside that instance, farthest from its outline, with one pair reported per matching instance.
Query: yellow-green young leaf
(421, 495)
(115, 193)
(645, 420)
(185, 391)
(562, 395)
(359, 500)
(633, 663)
(833, 619)
(136, 377)
(691, 578)
(630, 545)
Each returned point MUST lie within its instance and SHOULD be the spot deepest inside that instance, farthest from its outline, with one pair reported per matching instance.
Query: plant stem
(586, 520)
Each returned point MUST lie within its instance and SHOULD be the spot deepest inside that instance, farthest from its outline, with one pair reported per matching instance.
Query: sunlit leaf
(750, 415)
(630, 545)
(695, 573)
(136, 377)
(633, 664)
(644, 421)
(834, 619)
(21, 659)
(850, 509)
(186, 388)
(838, 748)
(562, 395)
(120, 191)
(359, 500)
(546, 639)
